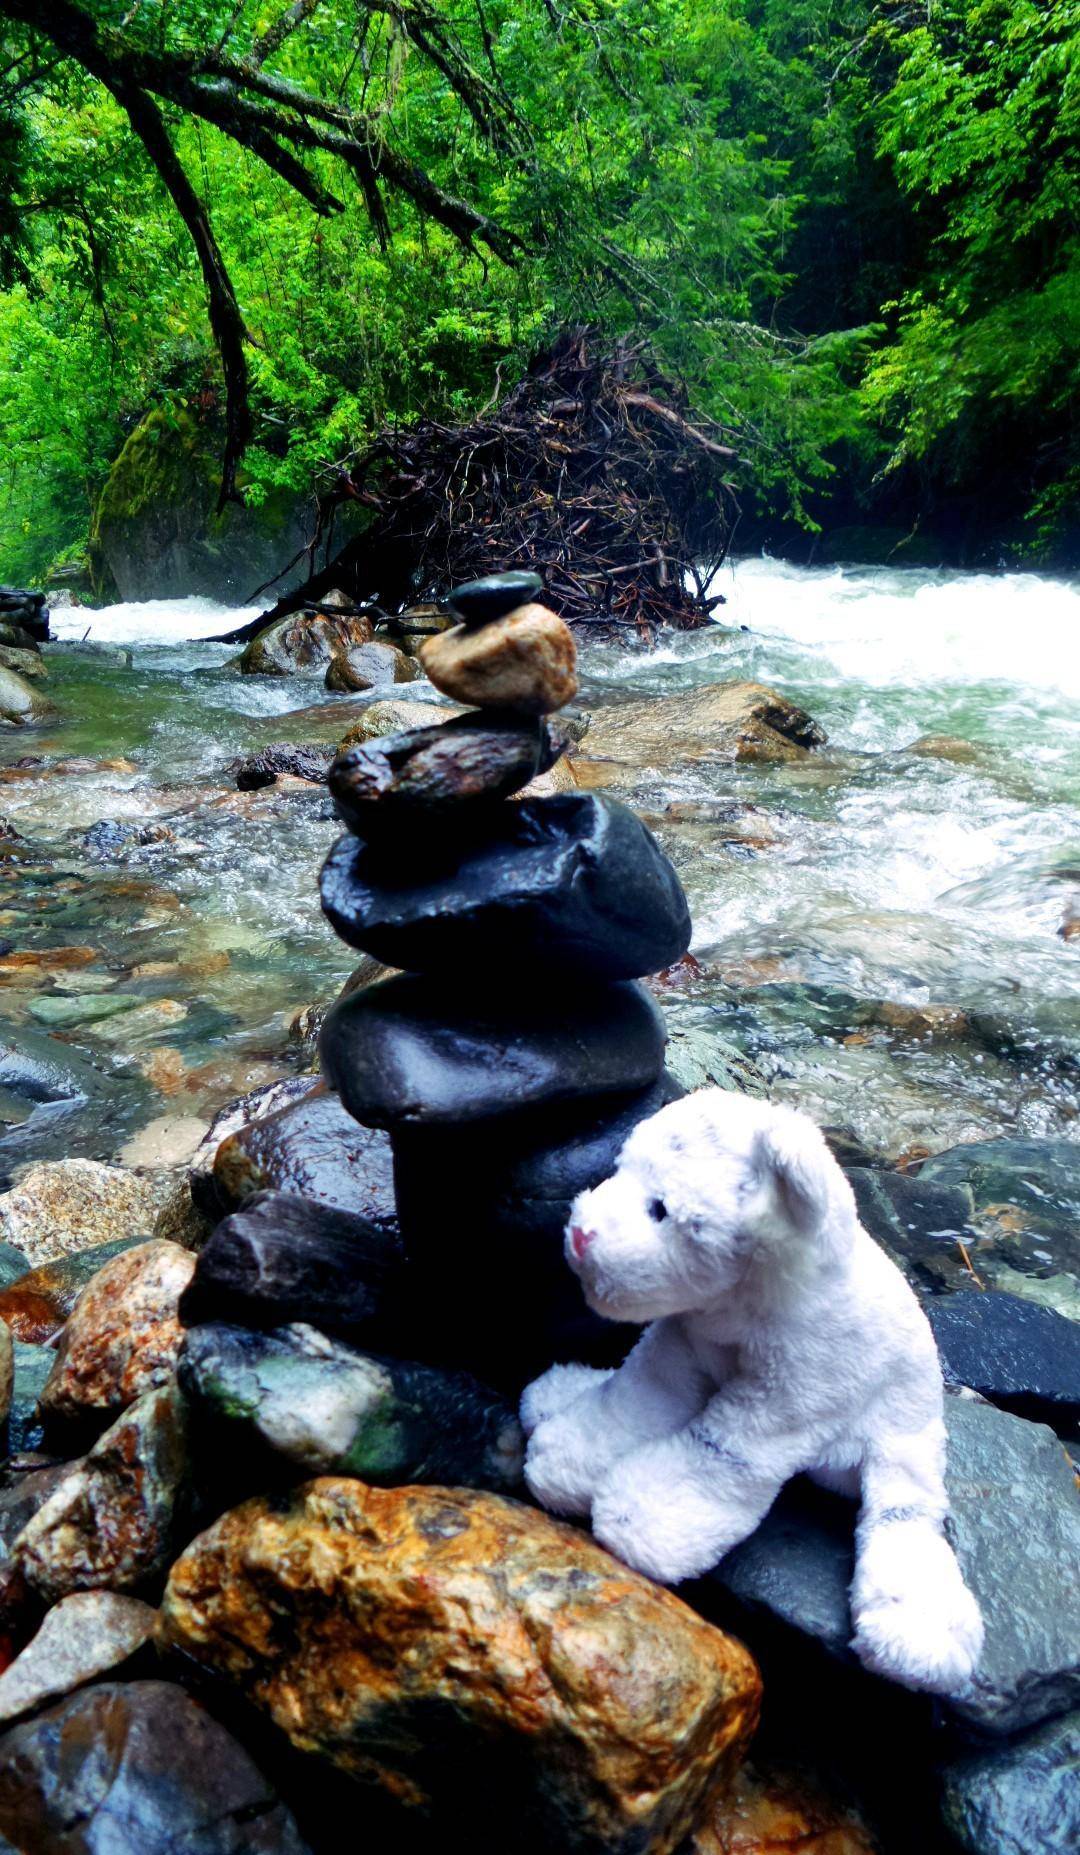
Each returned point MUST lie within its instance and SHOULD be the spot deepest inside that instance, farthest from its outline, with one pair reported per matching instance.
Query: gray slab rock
(1023, 1799)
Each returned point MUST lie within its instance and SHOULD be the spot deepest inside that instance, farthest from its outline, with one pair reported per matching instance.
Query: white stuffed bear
(781, 1341)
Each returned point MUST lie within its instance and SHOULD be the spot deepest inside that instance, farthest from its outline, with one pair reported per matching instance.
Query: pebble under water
(884, 929)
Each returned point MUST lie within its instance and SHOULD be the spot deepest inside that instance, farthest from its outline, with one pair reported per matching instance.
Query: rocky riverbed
(202, 1269)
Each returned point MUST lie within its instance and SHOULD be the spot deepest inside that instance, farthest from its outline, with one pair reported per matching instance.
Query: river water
(893, 881)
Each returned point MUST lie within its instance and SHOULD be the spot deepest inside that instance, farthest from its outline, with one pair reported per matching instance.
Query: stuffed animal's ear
(791, 1150)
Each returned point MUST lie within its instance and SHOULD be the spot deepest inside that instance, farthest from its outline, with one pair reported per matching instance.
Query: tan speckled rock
(108, 1523)
(123, 1335)
(444, 1644)
(83, 1636)
(394, 715)
(72, 1204)
(718, 721)
(523, 661)
(369, 665)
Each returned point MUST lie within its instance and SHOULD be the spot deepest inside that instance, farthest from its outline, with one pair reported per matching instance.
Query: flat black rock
(574, 884)
(415, 1052)
(266, 766)
(136, 1768)
(512, 1223)
(920, 1222)
(1021, 1800)
(477, 602)
(310, 1149)
(408, 779)
(1019, 1355)
(284, 1258)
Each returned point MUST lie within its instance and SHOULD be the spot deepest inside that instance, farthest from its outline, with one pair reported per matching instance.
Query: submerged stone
(311, 1149)
(477, 602)
(574, 885)
(524, 660)
(447, 1647)
(326, 1408)
(415, 1051)
(285, 1258)
(136, 1768)
(395, 780)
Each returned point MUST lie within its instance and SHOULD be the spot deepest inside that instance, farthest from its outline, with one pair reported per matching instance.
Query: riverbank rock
(445, 1645)
(108, 1524)
(20, 703)
(280, 758)
(397, 715)
(398, 781)
(369, 666)
(1024, 1800)
(524, 660)
(76, 1204)
(781, 1812)
(84, 1636)
(23, 662)
(328, 1409)
(136, 1768)
(919, 1222)
(1016, 1529)
(1021, 1356)
(37, 1303)
(284, 1258)
(719, 721)
(413, 1051)
(304, 641)
(311, 1149)
(32, 1365)
(574, 885)
(123, 1336)
(7, 1371)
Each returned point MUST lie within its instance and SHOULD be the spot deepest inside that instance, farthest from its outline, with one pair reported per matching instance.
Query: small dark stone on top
(477, 602)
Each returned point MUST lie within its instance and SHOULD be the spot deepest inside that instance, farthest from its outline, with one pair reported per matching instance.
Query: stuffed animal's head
(713, 1187)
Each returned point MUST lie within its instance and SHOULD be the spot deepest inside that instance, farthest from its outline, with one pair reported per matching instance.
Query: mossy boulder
(156, 532)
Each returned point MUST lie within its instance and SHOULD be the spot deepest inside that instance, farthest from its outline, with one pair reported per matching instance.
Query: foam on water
(148, 621)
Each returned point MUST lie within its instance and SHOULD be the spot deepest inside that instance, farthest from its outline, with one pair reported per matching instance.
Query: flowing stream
(886, 935)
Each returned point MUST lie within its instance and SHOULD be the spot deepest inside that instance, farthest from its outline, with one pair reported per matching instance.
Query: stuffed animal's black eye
(657, 1210)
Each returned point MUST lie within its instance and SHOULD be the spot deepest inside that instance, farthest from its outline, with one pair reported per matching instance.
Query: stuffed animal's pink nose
(580, 1240)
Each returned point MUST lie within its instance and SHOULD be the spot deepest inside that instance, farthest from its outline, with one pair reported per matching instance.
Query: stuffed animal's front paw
(654, 1517)
(561, 1469)
(555, 1391)
(916, 1622)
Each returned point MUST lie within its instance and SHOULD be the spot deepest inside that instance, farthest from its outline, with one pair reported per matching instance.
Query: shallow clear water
(895, 879)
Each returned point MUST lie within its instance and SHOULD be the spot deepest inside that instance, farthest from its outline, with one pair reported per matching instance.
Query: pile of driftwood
(593, 471)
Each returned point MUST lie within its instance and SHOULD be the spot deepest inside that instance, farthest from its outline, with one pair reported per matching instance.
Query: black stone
(511, 1224)
(405, 780)
(136, 1768)
(574, 884)
(919, 1222)
(477, 602)
(264, 768)
(1019, 1355)
(284, 1258)
(310, 1149)
(416, 1051)
(1023, 1799)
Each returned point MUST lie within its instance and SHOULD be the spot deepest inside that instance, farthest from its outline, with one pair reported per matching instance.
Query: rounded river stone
(574, 883)
(481, 755)
(477, 602)
(412, 1051)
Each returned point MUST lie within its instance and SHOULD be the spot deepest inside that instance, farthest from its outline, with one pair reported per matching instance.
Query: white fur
(781, 1341)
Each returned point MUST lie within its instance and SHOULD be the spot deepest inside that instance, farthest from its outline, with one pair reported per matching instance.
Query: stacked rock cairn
(515, 1049)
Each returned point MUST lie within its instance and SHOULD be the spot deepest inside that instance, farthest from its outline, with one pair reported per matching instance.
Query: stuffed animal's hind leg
(915, 1619)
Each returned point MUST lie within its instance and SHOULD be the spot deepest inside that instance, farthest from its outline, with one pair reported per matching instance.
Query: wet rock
(181, 1220)
(1040, 1178)
(305, 641)
(263, 768)
(445, 1645)
(22, 1493)
(32, 1365)
(36, 1305)
(154, 1019)
(86, 1635)
(284, 1258)
(575, 884)
(61, 1013)
(919, 1222)
(313, 1149)
(113, 838)
(76, 1204)
(1016, 1529)
(477, 602)
(766, 1811)
(525, 660)
(263, 1100)
(397, 716)
(1020, 1800)
(520, 1192)
(405, 1052)
(22, 662)
(369, 666)
(700, 1059)
(13, 1265)
(719, 721)
(327, 1409)
(170, 1140)
(7, 1371)
(136, 1768)
(396, 781)
(20, 703)
(109, 1523)
(123, 1336)
(945, 747)
(1023, 1357)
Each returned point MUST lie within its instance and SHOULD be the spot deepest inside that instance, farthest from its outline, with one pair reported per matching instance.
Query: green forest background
(853, 228)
